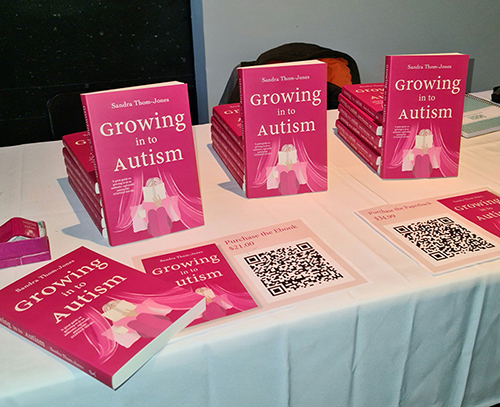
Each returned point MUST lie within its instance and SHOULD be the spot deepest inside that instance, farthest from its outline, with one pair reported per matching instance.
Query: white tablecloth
(406, 339)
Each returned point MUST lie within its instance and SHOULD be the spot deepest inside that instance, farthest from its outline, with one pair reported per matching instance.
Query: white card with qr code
(292, 269)
(435, 234)
(442, 239)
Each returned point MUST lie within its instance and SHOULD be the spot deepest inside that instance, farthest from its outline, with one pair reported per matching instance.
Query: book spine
(231, 167)
(237, 151)
(89, 188)
(360, 130)
(96, 219)
(89, 129)
(91, 175)
(84, 188)
(387, 74)
(369, 110)
(57, 351)
(81, 191)
(360, 115)
(369, 156)
(237, 138)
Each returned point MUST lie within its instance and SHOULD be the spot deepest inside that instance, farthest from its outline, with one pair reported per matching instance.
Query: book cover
(434, 235)
(204, 271)
(480, 117)
(78, 146)
(142, 141)
(369, 97)
(283, 109)
(229, 117)
(280, 264)
(423, 111)
(101, 316)
(481, 208)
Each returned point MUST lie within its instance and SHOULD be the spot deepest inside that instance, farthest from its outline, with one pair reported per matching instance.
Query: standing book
(423, 110)
(103, 317)
(145, 160)
(283, 109)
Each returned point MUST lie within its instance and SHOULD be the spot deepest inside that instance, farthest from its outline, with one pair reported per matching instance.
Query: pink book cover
(423, 111)
(374, 141)
(437, 236)
(216, 130)
(364, 151)
(229, 116)
(283, 109)
(481, 208)
(101, 316)
(203, 271)
(360, 115)
(145, 160)
(369, 97)
(78, 146)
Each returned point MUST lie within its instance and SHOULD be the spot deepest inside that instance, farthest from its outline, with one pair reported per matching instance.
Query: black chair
(66, 114)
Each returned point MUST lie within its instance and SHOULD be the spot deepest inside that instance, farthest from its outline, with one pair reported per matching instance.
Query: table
(406, 339)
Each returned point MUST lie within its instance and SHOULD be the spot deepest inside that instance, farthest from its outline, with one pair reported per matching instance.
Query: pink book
(145, 160)
(358, 128)
(360, 115)
(423, 111)
(203, 271)
(229, 117)
(237, 150)
(103, 317)
(369, 97)
(78, 146)
(283, 109)
(83, 186)
(359, 146)
(226, 158)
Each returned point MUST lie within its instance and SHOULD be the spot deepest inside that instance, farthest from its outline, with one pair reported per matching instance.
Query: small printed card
(277, 265)
(442, 234)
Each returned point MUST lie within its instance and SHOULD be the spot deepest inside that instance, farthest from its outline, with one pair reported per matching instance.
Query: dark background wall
(54, 47)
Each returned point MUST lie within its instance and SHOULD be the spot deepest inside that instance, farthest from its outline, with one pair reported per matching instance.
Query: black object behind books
(298, 51)
(495, 96)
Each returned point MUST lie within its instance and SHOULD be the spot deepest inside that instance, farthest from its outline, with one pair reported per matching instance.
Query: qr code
(291, 268)
(443, 238)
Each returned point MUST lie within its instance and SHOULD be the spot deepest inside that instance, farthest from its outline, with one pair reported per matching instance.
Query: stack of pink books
(227, 140)
(359, 122)
(409, 126)
(82, 176)
(274, 141)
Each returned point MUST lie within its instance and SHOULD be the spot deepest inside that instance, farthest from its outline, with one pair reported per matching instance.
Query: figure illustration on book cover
(424, 151)
(289, 169)
(135, 317)
(157, 206)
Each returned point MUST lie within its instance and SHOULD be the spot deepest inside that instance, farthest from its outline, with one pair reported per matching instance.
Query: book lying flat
(103, 317)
